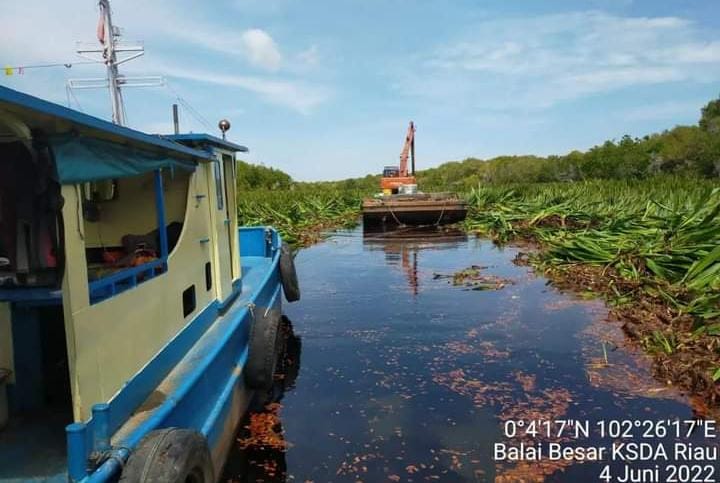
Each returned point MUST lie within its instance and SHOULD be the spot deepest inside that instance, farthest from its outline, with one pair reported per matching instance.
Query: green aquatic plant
(299, 213)
(661, 234)
(660, 342)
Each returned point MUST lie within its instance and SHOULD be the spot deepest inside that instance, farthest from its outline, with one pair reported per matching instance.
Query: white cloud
(261, 50)
(255, 45)
(540, 61)
(47, 33)
(299, 96)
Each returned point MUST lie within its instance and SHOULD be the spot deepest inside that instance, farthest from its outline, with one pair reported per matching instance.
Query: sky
(324, 89)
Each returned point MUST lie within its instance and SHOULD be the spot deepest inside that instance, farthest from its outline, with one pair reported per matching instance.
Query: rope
(191, 110)
(395, 217)
(67, 65)
(437, 223)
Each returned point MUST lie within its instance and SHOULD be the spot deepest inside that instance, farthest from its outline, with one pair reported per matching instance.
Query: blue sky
(324, 89)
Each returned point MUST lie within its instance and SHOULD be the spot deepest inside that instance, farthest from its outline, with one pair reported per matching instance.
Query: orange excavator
(400, 202)
(393, 176)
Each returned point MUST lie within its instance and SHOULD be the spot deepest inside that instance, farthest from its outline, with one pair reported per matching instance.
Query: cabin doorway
(33, 440)
(221, 215)
(30, 204)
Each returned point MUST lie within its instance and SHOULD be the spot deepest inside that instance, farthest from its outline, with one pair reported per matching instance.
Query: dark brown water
(395, 374)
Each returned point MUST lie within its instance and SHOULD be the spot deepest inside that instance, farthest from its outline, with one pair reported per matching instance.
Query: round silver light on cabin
(224, 125)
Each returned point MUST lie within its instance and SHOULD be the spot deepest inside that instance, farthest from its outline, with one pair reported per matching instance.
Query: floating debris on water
(264, 431)
(472, 278)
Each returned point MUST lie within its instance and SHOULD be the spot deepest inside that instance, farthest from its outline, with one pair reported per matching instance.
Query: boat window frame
(219, 185)
(129, 278)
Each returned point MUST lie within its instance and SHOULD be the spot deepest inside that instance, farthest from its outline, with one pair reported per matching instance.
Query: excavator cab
(391, 172)
(395, 177)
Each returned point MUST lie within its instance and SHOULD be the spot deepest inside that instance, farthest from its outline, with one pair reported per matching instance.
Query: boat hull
(413, 210)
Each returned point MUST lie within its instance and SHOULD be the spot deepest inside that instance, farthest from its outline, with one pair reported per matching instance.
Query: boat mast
(118, 108)
(110, 46)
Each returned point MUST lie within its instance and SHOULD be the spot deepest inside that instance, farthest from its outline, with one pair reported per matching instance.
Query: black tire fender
(288, 274)
(264, 348)
(171, 455)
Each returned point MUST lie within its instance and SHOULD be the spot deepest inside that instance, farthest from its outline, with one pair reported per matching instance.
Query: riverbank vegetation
(299, 213)
(650, 247)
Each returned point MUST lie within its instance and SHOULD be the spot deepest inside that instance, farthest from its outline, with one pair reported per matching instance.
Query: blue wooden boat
(136, 318)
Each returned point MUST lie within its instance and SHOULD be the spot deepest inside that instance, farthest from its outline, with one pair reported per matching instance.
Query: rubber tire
(288, 366)
(288, 274)
(264, 349)
(171, 455)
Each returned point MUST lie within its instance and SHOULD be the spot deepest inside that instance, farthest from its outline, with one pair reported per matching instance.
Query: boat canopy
(81, 160)
(87, 148)
(206, 141)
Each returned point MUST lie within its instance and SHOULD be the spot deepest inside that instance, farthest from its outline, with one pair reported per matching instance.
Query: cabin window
(391, 172)
(103, 190)
(125, 244)
(219, 189)
(188, 300)
(208, 276)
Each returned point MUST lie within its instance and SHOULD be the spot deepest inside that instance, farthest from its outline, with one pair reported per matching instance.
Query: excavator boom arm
(408, 149)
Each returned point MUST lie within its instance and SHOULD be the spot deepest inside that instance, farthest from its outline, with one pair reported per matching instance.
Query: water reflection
(402, 246)
(259, 454)
(416, 384)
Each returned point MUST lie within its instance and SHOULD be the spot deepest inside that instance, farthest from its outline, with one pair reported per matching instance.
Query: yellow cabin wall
(6, 347)
(113, 339)
(231, 169)
(133, 212)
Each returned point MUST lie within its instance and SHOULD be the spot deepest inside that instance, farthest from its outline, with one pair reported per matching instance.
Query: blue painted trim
(205, 141)
(252, 241)
(32, 296)
(126, 279)
(111, 468)
(236, 289)
(101, 426)
(77, 449)
(13, 100)
(212, 429)
(160, 209)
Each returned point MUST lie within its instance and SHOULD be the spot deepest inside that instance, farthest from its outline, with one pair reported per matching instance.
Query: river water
(398, 374)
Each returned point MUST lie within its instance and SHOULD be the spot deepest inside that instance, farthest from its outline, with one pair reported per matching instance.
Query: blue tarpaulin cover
(81, 159)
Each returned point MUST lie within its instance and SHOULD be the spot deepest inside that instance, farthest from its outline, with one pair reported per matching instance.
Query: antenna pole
(116, 99)
(176, 119)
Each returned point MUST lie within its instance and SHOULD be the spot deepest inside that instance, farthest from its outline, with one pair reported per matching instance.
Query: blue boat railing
(116, 283)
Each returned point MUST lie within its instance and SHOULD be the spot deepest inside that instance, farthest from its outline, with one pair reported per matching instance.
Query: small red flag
(101, 27)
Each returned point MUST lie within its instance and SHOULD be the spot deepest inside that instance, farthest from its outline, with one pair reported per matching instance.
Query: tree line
(684, 150)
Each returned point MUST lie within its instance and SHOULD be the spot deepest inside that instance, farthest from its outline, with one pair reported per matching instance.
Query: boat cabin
(117, 248)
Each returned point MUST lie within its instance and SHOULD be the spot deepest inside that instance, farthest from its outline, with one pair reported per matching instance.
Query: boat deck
(33, 448)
